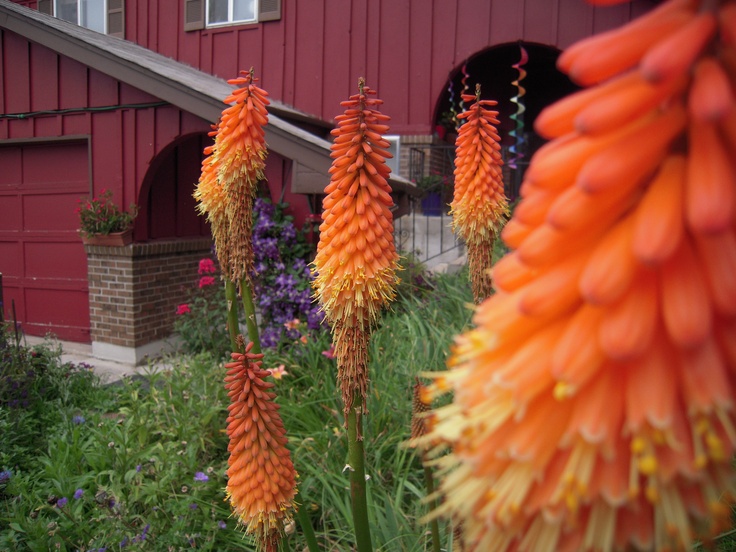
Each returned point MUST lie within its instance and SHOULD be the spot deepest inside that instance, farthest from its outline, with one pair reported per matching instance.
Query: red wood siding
(114, 142)
(313, 56)
(42, 260)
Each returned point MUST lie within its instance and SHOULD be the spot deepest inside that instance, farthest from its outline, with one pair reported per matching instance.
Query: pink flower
(330, 353)
(207, 266)
(303, 339)
(279, 372)
(205, 281)
(292, 324)
(183, 309)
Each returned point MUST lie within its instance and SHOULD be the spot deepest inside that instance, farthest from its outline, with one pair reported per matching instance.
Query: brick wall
(408, 142)
(134, 290)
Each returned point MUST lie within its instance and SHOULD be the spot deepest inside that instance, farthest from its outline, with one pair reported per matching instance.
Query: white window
(87, 13)
(225, 12)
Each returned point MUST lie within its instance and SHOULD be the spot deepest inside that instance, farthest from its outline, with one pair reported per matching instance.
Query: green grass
(131, 451)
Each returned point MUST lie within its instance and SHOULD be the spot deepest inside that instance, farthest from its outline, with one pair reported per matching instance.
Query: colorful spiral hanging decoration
(515, 151)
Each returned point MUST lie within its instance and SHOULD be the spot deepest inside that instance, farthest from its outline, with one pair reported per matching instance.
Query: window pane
(244, 10)
(217, 11)
(67, 10)
(93, 15)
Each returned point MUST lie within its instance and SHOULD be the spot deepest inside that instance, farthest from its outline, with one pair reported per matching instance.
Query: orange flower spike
(594, 401)
(356, 260)
(479, 205)
(261, 477)
(239, 161)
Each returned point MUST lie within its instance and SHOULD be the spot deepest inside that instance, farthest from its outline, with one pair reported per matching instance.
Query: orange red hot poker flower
(231, 172)
(604, 417)
(479, 205)
(356, 259)
(261, 477)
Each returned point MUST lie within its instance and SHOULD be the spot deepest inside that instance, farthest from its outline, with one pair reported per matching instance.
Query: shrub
(283, 280)
(201, 320)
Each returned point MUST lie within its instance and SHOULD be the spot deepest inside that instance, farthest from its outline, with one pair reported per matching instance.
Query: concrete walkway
(108, 370)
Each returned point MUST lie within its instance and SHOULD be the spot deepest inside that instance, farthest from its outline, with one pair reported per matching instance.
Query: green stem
(356, 462)
(434, 524)
(231, 297)
(250, 315)
(305, 524)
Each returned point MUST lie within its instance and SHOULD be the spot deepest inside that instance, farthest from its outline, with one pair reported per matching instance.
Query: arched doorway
(493, 68)
(167, 207)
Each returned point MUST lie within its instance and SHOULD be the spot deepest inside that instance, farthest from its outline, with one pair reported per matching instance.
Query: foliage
(140, 464)
(101, 216)
(36, 390)
(283, 289)
(414, 279)
(435, 183)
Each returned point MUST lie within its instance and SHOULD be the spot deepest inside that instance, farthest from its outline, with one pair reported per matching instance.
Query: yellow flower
(593, 402)
(356, 259)
(261, 477)
(479, 205)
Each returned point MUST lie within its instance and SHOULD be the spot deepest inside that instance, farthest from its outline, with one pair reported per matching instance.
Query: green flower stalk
(356, 267)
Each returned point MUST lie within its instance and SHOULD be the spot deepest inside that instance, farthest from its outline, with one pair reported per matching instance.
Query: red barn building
(120, 95)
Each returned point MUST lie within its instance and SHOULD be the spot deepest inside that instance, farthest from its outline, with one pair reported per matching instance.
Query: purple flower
(78, 494)
(193, 506)
(5, 476)
(201, 476)
(78, 420)
(221, 524)
(61, 502)
(138, 468)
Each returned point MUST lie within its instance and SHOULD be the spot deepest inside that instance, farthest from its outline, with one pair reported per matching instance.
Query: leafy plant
(200, 321)
(101, 216)
(283, 279)
(140, 465)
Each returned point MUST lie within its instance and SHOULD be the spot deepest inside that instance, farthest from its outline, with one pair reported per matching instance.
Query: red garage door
(42, 259)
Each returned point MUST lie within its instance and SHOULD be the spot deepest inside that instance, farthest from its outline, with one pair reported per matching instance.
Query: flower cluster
(230, 174)
(479, 206)
(199, 321)
(261, 477)
(356, 261)
(593, 403)
(282, 278)
(206, 269)
(101, 216)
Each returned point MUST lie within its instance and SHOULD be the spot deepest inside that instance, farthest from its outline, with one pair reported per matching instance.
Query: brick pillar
(133, 294)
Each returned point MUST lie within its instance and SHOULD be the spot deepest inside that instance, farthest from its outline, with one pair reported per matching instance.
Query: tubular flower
(231, 173)
(356, 259)
(261, 478)
(593, 402)
(479, 205)
(211, 202)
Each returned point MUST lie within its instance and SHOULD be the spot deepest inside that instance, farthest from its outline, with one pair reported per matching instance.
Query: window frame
(105, 9)
(230, 21)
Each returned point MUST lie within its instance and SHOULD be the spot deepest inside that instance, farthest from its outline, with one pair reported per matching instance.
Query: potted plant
(433, 192)
(102, 222)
